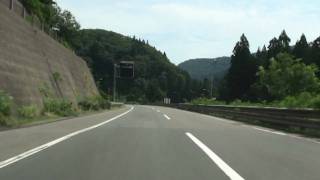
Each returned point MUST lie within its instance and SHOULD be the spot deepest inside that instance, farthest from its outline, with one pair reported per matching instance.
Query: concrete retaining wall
(30, 59)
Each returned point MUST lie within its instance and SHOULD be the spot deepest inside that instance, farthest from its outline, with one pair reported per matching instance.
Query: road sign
(167, 101)
(123, 70)
(126, 69)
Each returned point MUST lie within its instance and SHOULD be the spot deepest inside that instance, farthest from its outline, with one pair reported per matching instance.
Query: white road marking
(233, 175)
(54, 142)
(305, 139)
(269, 131)
(166, 116)
(219, 119)
(158, 111)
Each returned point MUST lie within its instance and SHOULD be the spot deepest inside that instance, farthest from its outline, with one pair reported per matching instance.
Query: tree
(284, 42)
(242, 73)
(301, 49)
(262, 57)
(315, 52)
(274, 48)
(68, 27)
(287, 76)
(153, 92)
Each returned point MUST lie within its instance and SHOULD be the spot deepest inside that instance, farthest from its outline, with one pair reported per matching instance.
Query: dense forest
(273, 73)
(155, 76)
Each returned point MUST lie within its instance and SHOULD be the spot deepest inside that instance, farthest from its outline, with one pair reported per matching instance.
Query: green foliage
(200, 69)
(5, 107)
(155, 76)
(242, 72)
(56, 76)
(206, 101)
(94, 103)
(45, 91)
(285, 71)
(58, 107)
(50, 14)
(28, 112)
(288, 76)
(303, 100)
(5, 103)
(301, 50)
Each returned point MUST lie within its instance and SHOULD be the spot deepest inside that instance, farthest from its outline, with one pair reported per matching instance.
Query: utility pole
(114, 82)
(211, 86)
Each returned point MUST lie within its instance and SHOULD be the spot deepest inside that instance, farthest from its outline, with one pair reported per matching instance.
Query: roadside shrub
(58, 107)
(28, 112)
(206, 101)
(303, 100)
(94, 103)
(5, 107)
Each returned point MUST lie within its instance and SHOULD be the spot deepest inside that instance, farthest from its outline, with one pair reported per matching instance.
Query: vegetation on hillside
(155, 76)
(278, 75)
(206, 68)
(54, 19)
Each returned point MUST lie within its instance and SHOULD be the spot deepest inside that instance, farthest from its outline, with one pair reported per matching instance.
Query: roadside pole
(123, 70)
(114, 82)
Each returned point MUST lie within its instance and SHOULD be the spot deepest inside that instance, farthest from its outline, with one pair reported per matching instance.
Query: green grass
(6, 103)
(53, 108)
(28, 112)
(303, 100)
(60, 107)
(94, 103)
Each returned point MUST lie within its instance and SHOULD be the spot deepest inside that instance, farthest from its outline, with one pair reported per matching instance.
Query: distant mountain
(200, 69)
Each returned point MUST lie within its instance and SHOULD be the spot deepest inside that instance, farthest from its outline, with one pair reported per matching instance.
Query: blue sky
(187, 29)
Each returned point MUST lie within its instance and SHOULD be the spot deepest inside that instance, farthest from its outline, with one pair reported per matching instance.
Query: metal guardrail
(116, 105)
(301, 118)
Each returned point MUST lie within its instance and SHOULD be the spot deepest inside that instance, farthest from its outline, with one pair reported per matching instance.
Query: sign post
(125, 69)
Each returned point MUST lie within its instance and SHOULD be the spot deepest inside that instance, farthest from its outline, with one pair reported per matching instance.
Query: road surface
(157, 143)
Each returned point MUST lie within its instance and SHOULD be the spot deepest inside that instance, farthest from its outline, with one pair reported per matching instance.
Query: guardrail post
(11, 4)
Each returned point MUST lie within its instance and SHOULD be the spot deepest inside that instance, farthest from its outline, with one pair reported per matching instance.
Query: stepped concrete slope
(30, 60)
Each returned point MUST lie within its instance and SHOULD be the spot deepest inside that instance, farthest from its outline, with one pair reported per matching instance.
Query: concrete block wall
(29, 58)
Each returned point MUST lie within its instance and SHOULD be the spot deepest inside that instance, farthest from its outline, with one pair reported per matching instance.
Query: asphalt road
(156, 143)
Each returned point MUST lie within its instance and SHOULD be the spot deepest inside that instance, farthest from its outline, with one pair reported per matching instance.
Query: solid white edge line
(166, 116)
(232, 174)
(269, 131)
(219, 119)
(54, 142)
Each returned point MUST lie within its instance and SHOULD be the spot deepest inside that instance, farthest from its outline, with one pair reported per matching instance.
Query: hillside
(206, 68)
(155, 76)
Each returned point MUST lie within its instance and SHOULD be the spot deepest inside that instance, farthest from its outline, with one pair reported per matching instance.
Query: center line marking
(273, 132)
(166, 116)
(233, 175)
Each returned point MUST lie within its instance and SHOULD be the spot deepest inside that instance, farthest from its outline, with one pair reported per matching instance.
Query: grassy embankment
(53, 108)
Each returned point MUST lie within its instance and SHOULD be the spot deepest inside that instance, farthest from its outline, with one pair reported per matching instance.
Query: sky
(187, 29)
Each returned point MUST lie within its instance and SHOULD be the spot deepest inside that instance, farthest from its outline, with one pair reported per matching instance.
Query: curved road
(157, 143)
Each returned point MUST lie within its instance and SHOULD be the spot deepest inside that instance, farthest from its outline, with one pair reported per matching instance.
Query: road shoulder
(16, 141)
